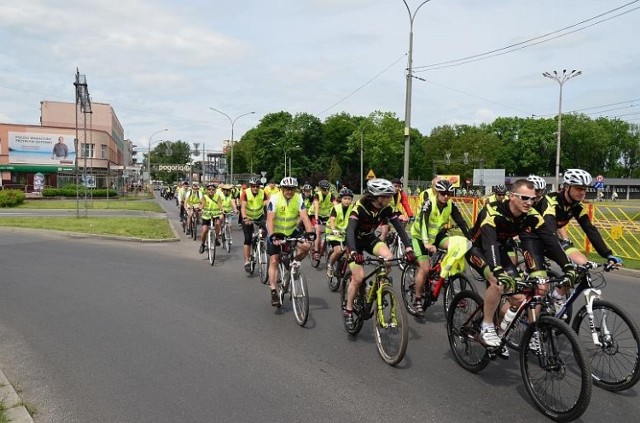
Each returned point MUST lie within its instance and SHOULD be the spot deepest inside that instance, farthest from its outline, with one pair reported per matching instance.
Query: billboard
(35, 148)
(488, 177)
(454, 179)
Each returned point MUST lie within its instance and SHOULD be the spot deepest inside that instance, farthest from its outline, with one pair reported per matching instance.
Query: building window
(103, 151)
(87, 150)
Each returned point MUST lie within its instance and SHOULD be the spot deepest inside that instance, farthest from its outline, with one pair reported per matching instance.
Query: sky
(164, 64)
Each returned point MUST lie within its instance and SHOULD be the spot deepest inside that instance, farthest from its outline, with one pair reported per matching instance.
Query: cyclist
(283, 212)
(192, 200)
(307, 196)
(429, 232)
(323, 202)
(252, 204)
(400, 204)
(499, 194)
(271, 189)
(560, 207)
(337, 224)
(540, 186)
(497, 223)
(211, 206)
(184, 187)
(228, 202)
(372, 210)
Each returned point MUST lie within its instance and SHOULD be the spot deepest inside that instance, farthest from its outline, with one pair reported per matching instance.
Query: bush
(70, 191)
(11, 197)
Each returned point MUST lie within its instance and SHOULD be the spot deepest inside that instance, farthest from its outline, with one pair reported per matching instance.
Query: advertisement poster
(33, 148)
(454, 179)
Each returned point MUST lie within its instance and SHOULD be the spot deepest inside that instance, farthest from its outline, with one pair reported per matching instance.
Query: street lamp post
(233, 122)
(285, 159)
(149, 158)
(407, 107)
(560, 79)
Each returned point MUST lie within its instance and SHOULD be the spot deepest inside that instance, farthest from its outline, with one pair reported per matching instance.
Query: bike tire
(263, 262)
(226, 238)
(358, 305)
(399, 252)
(392, 340)
(315, 263)
(454, 285)
(335, 280)
(464, 321)
(557, 369)
(194, 229)
(408, 288)
(300, 298)
(211, 247)
(184, 225)
(615, 364)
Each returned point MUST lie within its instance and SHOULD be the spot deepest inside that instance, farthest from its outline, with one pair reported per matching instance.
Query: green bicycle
(377, 297)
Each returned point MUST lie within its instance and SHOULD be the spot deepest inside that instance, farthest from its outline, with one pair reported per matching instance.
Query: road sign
(263, 173)
(371, 175)
(598, 185)
(599, 178)
(263, 180)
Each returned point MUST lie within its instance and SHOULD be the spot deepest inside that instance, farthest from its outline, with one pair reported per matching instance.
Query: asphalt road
(109, 331)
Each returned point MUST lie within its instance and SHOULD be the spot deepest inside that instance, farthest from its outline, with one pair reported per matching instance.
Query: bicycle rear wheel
(226, 237)
(263, 262)
(300, 297)
(358, 305)
(463, 330)
(335, 280)
(454, 285)
(614, 364)
(555, 371)
(391, 327)
(211, 246)
(194, 229)
(408, 287)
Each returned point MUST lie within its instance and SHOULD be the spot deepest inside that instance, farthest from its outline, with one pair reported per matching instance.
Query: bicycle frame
(380, 279)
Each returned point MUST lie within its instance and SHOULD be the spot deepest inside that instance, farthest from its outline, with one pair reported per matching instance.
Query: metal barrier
(618, 224)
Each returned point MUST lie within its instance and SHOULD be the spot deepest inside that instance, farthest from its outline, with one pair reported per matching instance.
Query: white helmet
(378, 187)
(577, 177)
(538, 182)
(444, 185)
(289, 182)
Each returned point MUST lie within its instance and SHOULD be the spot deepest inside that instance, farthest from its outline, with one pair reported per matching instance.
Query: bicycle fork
(590, 295)
(380, 304)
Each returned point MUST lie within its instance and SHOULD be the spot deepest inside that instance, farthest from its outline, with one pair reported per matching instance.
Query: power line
(524, 44)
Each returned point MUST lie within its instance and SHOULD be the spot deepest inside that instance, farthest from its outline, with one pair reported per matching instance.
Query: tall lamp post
(285, 159)
(149, 158)
(560, 79)
(233, 122)
(407, 107)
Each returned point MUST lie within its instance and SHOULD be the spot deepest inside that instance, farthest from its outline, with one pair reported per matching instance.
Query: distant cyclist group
(515, 234)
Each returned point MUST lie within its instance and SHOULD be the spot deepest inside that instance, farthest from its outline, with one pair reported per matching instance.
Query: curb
(15, 412)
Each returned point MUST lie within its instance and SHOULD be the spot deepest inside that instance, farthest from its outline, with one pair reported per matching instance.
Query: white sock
(557, 296)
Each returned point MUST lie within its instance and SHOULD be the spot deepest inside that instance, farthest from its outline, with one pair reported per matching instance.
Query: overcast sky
(163, 63)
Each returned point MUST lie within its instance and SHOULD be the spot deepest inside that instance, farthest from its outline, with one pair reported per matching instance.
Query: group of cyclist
(525, 214)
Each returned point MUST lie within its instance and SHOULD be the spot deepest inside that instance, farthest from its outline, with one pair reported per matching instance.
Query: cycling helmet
(195, 183)
(226, 186)
(444, 185)
(306, 187)
(538, 182)
(211, 185)
(324, 184)
(345, 192)
(289, 182)
(254, 181)
(185, 183)
(577, 177)
(500, 189)
(396, 181)
(378, 187)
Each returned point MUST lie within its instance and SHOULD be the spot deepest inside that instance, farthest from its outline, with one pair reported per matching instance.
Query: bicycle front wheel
(211, 247)
(358, 305)
(614, 363)
(464, 320)
(300, 297)
(454, 285)
(555, 371)
(391, 327)
(226, 237)
(263, 262)
(408, 287)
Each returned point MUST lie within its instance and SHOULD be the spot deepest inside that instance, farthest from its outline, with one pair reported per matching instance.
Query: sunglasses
(525, 198)
(444, 193)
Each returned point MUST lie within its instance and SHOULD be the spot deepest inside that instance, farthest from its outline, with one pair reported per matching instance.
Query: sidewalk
(15, 411)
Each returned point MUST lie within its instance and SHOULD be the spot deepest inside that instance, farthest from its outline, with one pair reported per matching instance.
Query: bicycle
(452, 284)
(192, 223)
(211, 242)
(339, 269)
(319, 253)
(377, 297)
(292, 278)
(396, 245)
(225, 232)
(607, 332)
(554, 367)
(258, 255)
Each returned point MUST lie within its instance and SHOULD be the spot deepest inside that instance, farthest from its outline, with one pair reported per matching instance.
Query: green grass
(3, 417)
(135, 227)
(115, 204)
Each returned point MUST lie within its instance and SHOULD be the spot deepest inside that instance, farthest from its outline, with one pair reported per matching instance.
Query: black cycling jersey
(496, 225)
(365, 219)
(557, 212)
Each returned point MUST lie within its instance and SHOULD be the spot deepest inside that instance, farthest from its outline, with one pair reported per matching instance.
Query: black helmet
(254, 181)
(324, 184)
(345, 192)
(500, 189)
